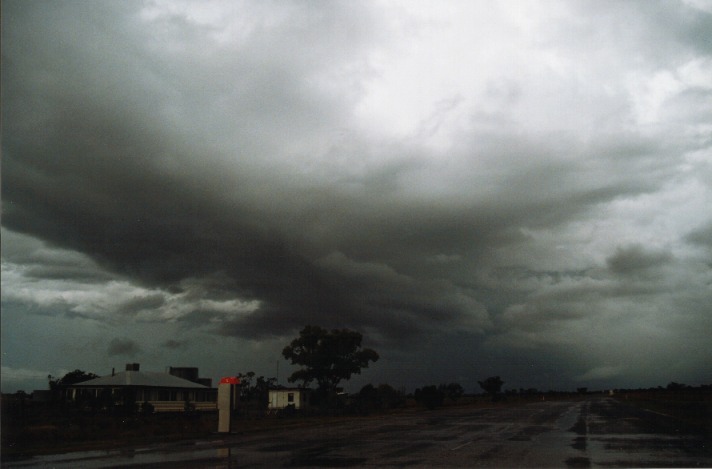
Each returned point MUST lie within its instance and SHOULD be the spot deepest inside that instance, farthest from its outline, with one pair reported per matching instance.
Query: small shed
(282, 398)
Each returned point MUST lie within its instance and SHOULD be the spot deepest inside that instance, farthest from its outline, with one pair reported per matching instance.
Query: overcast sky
(521, 189)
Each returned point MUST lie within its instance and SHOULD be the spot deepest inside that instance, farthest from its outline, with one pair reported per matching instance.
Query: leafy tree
(674, 386)
(257, 390)
(430, 396)
(57, 385)
(452, 391)
(246, 384)
(382, 397)
(262, 386)
(492, 386)
(73, 377)
(390, 397)
(327, 357)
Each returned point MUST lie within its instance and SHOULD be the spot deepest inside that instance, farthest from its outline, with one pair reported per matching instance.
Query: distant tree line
(328, 357)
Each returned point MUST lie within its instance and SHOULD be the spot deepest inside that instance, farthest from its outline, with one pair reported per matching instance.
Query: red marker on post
(230, 380)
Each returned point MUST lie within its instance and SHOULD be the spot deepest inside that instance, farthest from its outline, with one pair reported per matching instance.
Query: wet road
(598, 432)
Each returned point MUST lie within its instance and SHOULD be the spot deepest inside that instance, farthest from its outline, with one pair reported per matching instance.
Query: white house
(164, 391)
(282, 398)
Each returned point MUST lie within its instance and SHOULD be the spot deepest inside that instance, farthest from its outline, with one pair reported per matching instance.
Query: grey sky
(510, 188)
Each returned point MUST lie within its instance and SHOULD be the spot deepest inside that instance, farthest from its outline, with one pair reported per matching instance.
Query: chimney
(132, 367)
(113, 371)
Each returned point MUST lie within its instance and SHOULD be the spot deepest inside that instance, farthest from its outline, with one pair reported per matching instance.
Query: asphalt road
(598, 432)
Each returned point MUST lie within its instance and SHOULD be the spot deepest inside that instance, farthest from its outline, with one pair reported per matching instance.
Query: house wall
(163, 400)
(281, 398)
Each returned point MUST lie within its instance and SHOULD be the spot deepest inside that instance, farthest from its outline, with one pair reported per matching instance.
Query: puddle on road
(569, 418)
(614, 438)
(644, 449)
(642, 443)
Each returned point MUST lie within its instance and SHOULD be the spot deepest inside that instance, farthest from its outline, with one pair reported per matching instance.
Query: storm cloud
(475, 188)
(123, 346)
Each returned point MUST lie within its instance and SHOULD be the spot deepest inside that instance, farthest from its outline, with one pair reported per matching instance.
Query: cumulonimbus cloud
(249, 170)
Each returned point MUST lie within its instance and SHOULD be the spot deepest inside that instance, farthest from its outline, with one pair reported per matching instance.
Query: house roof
(142, 378)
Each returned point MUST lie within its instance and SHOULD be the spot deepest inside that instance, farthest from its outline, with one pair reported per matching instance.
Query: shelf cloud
(516, 189)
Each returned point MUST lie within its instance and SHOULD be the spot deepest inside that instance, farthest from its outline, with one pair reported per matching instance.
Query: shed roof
(142, 378)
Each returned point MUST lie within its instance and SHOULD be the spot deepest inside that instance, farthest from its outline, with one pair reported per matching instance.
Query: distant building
(280, 399)
(41, 395)
(166, 392)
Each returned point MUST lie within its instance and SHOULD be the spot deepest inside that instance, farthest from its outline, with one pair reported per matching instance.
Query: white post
(228, 397)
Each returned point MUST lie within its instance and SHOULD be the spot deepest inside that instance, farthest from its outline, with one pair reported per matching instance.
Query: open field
(587, 432)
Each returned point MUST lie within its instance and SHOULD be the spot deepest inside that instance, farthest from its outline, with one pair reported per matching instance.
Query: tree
(492, 386)
(453, 391)
(246, 387)
(57, 385)
(430, 396)
(73, 377)
(257, 391)
(382, 397)
(327, 357)
(674, 386)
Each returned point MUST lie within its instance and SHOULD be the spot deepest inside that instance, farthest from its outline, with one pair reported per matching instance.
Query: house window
(290, 397)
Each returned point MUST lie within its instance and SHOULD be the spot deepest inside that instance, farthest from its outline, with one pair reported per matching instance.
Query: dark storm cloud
(40, 262)
(123, 346)
(141, 303)
(175, 344)
(101, 176)
(701, 236)
(202, 165)
(636, 258)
